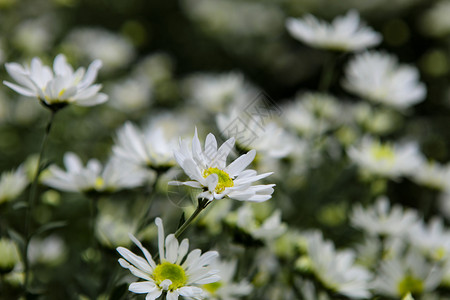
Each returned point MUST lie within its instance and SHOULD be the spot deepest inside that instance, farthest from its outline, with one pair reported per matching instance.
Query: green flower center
(383, 152)
(410, 284)
(224, 179)
(170, 271)
(212, 287)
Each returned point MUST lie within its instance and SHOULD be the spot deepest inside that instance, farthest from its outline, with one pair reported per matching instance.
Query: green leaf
(50, 226)
(18, 238)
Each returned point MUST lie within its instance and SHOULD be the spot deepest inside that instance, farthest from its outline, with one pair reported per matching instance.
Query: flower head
(55, 89)
(209, 171)
(12, 184)
(377, 76)
(174, 274)
(343, 34)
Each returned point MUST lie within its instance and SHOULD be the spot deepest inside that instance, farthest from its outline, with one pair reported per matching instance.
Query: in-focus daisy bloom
(345, 33)
(378, 77)
(208, 170)
(55, 89)
(175, 274)
(390, 160)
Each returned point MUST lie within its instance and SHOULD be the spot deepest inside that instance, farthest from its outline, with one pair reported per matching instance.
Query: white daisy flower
(345, 33)
(409, 273)
(433, 240)
(337, 269)
(115, 175)
(382, 219)
(175, 274)
(12, 184)
(147, 148)
(226, 288)
(385, 159)
(432, 174)
(209, 171)
(59, 87)
(377, 76)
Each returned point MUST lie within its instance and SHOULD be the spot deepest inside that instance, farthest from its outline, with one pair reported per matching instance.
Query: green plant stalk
(202, 204)
(32, 200)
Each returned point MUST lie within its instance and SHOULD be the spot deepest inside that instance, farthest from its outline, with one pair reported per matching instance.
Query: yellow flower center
(410, 284)
(170, 271)
(99, 182)
(383, 152)
(224, 179)
(212, 287)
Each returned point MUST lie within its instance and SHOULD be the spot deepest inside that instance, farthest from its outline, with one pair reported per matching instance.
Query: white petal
(142, 287)
(160, 226)
(240, 163)
(171, 248)
(147, 254)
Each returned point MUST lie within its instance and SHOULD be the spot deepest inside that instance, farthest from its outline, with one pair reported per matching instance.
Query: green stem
(32, 200)
(202, 203)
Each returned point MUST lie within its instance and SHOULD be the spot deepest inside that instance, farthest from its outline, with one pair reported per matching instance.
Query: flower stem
(32, 200)
(202, 203)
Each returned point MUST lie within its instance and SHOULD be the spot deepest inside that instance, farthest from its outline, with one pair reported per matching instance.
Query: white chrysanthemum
(49, 251)
(267, 230)
(131, 94)
(337, 269)
(404, 274)
(115, 175)
(345, 33)
(265, 136)
(432, 239)
(226, 288)
(432, 174)
(377, 76)
(382, 219)
(12, 184)
(208, 170)
(176, 274)
(385, 159)
(114, 50)
(59, 87)
(215, 92)
(147, 148)
(435, 20)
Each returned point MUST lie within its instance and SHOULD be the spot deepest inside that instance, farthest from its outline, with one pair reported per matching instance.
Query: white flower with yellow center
(175, 274)
(432, 239)
(59, 87)
(345, 33)
(115, 175)
(385, 159)
(209, 171)
(12, 184)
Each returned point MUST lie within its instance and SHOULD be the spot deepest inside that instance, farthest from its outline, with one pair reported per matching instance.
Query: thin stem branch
(32, 200)
(202, 203)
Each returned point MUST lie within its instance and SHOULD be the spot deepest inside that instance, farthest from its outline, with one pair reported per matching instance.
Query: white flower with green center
(175, 274)
(433, 239)
(115, 175)
(209, 171)
(410, 273)
(345, 33)
(59, 87)
(386, 159)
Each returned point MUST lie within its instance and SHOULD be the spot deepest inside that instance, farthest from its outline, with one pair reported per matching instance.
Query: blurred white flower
(12, 184)
(91, 43)
(345, 33)
(337, 269)
(226, 288)
(208, 170)
(35, 36)
(174, 275)
(60, 87)
(9, 252)
(432, 174)
(435, 21)
(214, 92)
(149, 147)
(382, 219)
(50, 250)
(433, 240)
(390, 160)
(130, 94)
(404, 274)
(266, 230)
(377, 76)
(375, 120)
(115, 175)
